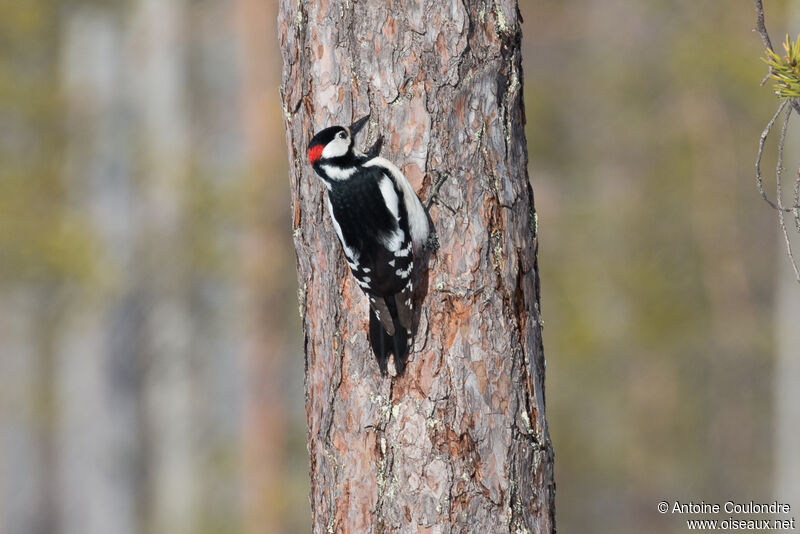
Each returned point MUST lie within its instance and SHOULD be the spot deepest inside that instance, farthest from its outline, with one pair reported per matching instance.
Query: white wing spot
(403, 273)
(405, 251)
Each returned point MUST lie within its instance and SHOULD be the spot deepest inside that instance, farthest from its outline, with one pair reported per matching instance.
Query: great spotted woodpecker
(381, 225)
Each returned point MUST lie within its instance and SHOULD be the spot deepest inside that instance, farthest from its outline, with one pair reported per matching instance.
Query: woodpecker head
(334, 143)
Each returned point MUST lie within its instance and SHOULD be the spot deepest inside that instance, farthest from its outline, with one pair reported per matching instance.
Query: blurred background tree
(658, 259)
(787, 303)
(150, 359)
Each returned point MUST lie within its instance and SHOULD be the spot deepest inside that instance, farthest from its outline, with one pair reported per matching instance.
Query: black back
(362, 216)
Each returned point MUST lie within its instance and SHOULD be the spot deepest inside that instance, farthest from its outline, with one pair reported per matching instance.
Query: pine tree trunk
(460, 442)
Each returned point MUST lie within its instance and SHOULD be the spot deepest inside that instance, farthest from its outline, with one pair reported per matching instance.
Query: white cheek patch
(337, 147)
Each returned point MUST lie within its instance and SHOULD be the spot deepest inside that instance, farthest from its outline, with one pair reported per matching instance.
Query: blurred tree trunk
(148, 361)
(460, 442)
(266, 428)
(787, 375)
(129, 350)
(787, 339)
(102, 428)
(159, 38)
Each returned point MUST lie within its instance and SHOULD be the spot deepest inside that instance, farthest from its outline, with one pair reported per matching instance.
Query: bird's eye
(342, 135)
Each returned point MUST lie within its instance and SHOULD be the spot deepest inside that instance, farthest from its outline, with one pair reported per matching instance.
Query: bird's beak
(356, 126)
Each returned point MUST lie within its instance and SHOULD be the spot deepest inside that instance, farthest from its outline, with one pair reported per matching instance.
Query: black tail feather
(384, 344)
(380, 341)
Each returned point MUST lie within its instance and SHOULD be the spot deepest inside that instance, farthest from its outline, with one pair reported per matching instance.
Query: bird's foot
(434, 193)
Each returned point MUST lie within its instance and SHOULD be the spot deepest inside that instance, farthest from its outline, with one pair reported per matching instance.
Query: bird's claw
(435, 189)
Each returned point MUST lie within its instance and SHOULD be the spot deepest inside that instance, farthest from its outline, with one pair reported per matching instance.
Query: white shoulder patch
(417, 218)
(389, 195)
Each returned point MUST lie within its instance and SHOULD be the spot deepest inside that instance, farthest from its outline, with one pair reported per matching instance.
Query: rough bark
(460, 442)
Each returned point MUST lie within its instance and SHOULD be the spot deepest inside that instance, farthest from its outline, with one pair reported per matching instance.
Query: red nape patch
(314, 153)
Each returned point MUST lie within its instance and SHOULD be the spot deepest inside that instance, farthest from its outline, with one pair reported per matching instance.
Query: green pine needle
(786, 70)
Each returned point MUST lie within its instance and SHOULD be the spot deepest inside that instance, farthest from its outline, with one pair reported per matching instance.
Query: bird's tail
(383, 343)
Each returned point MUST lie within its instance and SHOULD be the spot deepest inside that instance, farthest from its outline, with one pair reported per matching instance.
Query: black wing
(373, 227)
